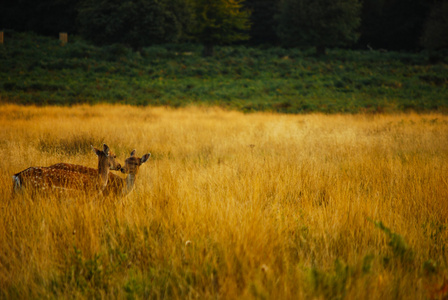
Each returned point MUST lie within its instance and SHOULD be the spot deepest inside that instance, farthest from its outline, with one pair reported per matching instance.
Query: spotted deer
(116, 186)
(106, 161)
(68, 177)
(122, 187)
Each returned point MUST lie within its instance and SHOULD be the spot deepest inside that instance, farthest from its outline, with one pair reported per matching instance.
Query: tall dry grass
(230, 206)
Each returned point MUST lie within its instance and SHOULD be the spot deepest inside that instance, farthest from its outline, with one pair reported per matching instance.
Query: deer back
(48, 179)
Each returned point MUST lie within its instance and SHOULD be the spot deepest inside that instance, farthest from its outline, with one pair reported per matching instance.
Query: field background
(230, 205)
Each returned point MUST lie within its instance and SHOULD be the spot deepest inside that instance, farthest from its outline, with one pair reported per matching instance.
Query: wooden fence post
(1, 37)
(63, 37)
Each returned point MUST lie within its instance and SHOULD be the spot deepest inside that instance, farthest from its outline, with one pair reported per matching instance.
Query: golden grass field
(230, 206)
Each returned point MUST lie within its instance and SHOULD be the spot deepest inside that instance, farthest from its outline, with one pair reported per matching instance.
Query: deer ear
(97, 151)
(133, 153)
(106, 149)
(145, 158)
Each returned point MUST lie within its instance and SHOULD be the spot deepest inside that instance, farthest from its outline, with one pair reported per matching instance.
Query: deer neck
(103, 174)
(129, 186)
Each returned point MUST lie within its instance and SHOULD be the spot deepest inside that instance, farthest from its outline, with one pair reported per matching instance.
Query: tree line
(374, 24)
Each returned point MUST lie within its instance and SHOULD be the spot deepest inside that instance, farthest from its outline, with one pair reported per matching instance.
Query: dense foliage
(38, 70)
(137, 23)
(263, 23)
(391, 25)
(319, 23)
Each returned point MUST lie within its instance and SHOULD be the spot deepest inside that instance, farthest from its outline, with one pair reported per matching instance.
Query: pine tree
(219, 22)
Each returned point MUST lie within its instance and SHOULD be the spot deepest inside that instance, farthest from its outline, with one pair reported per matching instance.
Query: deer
(68, 177)
(106, 161)
(114, 185)
(122, 187)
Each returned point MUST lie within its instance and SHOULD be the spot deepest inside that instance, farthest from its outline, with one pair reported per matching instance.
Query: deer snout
(115, 167)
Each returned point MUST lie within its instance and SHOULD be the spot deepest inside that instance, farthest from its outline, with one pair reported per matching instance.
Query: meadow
(38, 70)
(229, 206)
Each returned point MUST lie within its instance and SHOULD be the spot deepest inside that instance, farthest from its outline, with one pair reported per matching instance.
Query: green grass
(38, 70)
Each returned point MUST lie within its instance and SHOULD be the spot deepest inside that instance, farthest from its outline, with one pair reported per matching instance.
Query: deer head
(106, 161)
(132, 163)
(131, 166)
